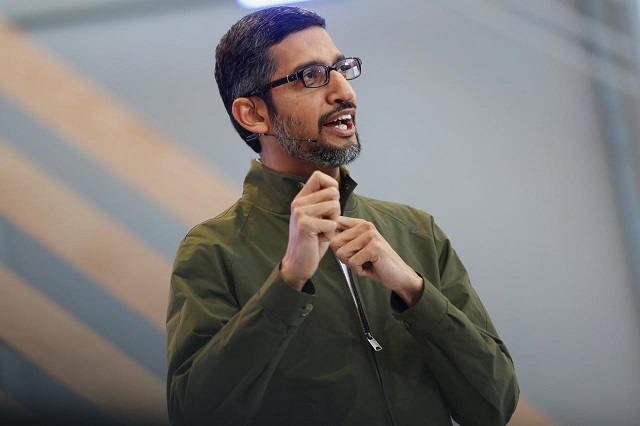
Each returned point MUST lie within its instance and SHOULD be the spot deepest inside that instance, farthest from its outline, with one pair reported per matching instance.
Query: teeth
(339, 121)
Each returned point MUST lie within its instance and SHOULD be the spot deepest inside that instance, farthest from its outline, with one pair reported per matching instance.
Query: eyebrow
(300, 67)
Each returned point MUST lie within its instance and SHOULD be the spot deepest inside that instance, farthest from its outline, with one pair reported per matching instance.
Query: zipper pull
(373, 342)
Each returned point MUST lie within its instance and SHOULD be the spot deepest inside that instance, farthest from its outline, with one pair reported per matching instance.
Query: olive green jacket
(246, 348)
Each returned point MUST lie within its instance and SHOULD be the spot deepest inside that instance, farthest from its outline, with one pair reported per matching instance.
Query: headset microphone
(255, 136)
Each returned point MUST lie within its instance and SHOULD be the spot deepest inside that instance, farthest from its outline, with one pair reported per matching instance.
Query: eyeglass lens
(318, 75)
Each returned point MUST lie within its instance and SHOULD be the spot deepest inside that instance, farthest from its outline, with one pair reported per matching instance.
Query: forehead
(311, 45)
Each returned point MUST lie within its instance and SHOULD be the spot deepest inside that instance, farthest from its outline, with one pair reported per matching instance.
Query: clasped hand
(316, 225)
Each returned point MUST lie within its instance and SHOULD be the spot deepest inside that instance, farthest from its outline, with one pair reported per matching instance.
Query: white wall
(503, 144)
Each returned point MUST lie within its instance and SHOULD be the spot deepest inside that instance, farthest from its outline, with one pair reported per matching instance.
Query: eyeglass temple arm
(276, 83)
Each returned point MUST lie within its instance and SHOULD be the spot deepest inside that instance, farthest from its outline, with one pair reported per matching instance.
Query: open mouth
(343, 122)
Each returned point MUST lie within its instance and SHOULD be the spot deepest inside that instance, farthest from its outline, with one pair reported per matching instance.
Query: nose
(340, 89)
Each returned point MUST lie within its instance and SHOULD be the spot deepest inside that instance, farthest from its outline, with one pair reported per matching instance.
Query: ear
(252, 116)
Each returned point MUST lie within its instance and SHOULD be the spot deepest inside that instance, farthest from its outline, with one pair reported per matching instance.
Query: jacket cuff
(424, 316)
(284, 302)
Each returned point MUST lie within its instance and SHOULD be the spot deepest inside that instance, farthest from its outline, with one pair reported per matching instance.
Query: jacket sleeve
(460, 344)
(221, 355)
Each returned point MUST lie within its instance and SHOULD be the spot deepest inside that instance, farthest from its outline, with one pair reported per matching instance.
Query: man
(305, 303)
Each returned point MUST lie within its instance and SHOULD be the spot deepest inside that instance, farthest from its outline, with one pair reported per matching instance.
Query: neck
(292, 166)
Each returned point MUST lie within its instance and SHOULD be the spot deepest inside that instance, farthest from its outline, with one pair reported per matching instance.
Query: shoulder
(219, 231)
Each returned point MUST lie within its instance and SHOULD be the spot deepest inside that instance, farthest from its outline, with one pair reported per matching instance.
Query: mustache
(341, 107)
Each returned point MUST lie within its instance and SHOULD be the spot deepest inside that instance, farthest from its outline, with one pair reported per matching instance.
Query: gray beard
(320, 152)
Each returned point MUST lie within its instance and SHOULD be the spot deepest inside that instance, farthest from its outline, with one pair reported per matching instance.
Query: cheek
(303, 108)
(306, 115)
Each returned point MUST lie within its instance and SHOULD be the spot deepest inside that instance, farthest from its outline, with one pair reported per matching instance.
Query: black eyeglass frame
(298, 76)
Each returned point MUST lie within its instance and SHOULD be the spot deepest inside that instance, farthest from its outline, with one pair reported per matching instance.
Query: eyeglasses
(315, 75)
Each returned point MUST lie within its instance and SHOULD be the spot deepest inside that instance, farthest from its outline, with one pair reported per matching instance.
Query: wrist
(412, 291)
(289, 276)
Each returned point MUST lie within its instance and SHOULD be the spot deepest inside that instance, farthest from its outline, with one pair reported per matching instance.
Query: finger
(318, 181)
(316, 197)
(345, 222)
(321, 228)
(366, 256)
(328, 229)
(352, 228)
(362, 268)
(325, 210)
(347, 249)
(345, 233)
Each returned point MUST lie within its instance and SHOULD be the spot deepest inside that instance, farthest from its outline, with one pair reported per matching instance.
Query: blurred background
(513, 122)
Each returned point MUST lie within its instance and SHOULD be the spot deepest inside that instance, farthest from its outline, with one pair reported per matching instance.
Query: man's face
(325, 113)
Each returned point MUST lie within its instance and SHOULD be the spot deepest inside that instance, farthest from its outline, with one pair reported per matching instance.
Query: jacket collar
(274, 191)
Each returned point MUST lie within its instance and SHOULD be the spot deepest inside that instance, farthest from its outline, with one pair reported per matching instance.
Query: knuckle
(377, 245)
(328, 226)
(297, 214)
(304, 222)
(318, 175)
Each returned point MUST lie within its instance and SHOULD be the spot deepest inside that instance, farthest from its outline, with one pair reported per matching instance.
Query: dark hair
(243, 61)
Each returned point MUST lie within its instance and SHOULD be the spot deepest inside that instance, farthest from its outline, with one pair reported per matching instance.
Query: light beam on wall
(254, 4)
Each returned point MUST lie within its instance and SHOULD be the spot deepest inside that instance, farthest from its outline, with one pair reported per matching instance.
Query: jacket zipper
(363, 320)
(367, 333)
